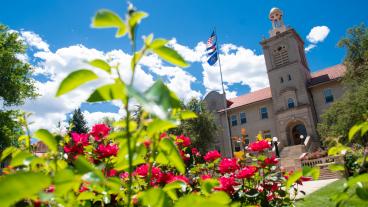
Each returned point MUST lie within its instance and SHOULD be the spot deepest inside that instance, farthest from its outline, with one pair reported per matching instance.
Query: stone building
(290, 108)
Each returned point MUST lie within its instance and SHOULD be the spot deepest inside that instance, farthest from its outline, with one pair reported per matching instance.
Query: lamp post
(275, 143)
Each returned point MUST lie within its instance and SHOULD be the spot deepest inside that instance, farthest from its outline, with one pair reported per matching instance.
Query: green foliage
(78, 122)
(351, 107)
(16, 83)
(10, 128)
(21, 185)
(202, 130)
(47, 138)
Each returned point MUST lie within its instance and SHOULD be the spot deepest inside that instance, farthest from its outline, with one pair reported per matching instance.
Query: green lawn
(321, 198)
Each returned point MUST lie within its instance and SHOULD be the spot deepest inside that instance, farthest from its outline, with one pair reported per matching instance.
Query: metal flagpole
(225, 100)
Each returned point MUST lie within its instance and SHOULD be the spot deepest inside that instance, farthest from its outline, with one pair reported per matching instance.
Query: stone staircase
(325, 174)
(290, 157)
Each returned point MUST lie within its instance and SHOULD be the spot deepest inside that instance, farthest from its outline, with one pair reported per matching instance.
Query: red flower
(111, 173)
(271, 160)
(147, 143)
(247, 172)
(259, 145)
(163, 135)
(183, 141)
(184, 156)
(206, 176)
(76, 149)
(195, 152)
(212, 156)
(83, 188)
(303, 179)
(80, 139)
(100, 131)
(227, 184)
(228, 165)
(142, 171)
(106, 150)
(178, 178)
(50, 189)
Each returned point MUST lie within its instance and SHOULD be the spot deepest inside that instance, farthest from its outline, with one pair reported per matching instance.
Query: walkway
(311, 186)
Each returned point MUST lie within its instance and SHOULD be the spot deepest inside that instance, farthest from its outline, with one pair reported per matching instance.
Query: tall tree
(16, 84)
(78, 122)
(201, 130)
(352, 108)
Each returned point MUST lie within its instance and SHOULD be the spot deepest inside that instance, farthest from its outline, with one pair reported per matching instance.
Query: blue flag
(212, 49)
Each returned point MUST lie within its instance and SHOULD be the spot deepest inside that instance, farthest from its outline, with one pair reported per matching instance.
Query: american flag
(211, 49)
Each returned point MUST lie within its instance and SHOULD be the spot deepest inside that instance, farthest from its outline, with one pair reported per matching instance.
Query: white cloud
(239, 65)
(93, 118)
(318, 34)
(34, 40)
(310, 47)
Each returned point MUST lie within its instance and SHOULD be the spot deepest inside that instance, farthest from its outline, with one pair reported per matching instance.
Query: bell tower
(288, 74)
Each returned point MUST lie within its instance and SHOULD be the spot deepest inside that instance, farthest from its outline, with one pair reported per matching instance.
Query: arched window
(291, 103)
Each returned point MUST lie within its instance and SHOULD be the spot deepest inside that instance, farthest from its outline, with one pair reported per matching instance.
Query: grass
(321, 197)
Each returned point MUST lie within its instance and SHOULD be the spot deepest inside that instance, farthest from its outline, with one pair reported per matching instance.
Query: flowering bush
(138, 164)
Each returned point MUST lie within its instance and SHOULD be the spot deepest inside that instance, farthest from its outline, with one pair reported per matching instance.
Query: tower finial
(277, 23)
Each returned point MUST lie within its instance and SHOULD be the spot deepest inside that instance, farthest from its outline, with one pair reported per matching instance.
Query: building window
(289, 77)
(234, 120)
(264, 113)
(291, 103)
(328, 95)
(243, 118)
(281, 80)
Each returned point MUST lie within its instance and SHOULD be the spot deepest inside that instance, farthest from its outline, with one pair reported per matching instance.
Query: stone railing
(323, 161)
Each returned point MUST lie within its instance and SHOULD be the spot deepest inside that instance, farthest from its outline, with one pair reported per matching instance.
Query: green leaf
(74, 80)
(136, 17)
(171, 188)
(158, 126)
(84, 167)
(148, 39)
(170, 55)
(157, 100)
(184, 115)
(364, 129)
(336, 167)
(47, 138)
(86, 196)
(207, 185)
(362, 191)
(155, 197)
(98, 63)
(109, 19)
(168, 148)
(293, 178)
(192, 200)
(219, 197)
(8, 151)
(109, 92)
(21, 185)
(353, 130)
(21, 158)
(311, 172)
(64, 181)
(360, 178)
(157, 43)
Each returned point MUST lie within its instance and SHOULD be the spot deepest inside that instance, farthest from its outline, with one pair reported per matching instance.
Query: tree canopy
(202, 129)
(352, 108)
(78, 122)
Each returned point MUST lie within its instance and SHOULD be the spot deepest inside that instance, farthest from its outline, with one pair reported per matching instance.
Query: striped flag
(212, 49)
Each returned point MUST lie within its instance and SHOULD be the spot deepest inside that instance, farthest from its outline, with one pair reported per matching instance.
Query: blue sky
(240, 25)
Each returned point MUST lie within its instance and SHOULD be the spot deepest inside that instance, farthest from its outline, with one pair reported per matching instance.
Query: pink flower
(75, 149)
(100, 131)
(227, 184)
(50, 189)
(183, 141)
(212, 156)
(228, 165)
(147, 143)
(142, 171)
(259, 146)
(184, 156)
(271, 160)
(80, 139)
(247, 172)
(124, 175)
(106, 150)
(195, 152)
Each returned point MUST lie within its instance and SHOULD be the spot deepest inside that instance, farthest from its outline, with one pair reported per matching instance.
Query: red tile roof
(248, 98)
(318, 77)
(331, 73)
